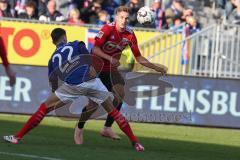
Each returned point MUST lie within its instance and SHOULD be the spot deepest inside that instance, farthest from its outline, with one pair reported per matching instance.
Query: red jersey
(113, 42)
(3, 53)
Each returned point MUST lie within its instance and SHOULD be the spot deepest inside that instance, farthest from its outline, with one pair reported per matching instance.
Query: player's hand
(161, 68)
(11, 75)
(115, 62)
(92, 72)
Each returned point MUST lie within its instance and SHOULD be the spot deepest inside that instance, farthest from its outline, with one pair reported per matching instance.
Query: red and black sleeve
(102, 35)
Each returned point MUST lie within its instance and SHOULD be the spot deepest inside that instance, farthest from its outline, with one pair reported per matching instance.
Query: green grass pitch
(53, 139)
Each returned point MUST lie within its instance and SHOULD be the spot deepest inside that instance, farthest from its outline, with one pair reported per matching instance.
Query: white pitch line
(28, 156)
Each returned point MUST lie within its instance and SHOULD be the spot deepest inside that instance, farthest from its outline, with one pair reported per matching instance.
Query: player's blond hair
(122, 9)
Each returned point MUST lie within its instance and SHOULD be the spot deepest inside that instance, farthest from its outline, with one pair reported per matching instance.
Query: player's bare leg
(78, 132)
(78, 136)
(52, 103)
(107, 131)
(122, 123)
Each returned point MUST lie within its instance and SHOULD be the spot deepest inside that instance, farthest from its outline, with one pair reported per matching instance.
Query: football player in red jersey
(3, 55)
(111, 40)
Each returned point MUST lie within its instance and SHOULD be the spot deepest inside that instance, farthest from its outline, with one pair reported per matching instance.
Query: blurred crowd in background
(169, 13)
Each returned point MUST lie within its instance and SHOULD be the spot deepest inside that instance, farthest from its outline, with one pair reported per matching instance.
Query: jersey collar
(60, 44)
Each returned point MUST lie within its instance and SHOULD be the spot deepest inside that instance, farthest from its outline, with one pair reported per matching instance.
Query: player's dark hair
(57, 34)
(122, 9)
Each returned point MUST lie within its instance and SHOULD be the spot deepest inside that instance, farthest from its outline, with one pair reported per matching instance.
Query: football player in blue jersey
(71, 64)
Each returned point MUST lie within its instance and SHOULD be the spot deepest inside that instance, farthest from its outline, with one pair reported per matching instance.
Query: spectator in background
(77, 3)
(3, 55)
(65, 6)
(224, 8)
(110, 6)
(90, 12)
(221, 3)
(121, 2)
(87, 3)
(174, 12)
(74, 17)
(103, 18)
(234, 17)
(166, 4)
(20, 6)
(160, 21)
(177, 27)
(12, 4)
(194, 25)
(177, 11)
(52, 14)
(30, 11)
(134, 6)
(5, 10)
(42, 7)
(85, 8)
(177, 22)
(229, 7)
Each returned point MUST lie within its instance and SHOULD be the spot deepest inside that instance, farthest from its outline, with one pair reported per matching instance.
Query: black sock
(110, 120)
(81, 123)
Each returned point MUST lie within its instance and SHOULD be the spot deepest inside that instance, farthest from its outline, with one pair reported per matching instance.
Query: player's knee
(47, 104)
(119, 97)
(122, 95)
(53, 102)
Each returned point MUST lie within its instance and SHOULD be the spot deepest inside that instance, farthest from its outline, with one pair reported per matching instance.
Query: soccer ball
(145, 15)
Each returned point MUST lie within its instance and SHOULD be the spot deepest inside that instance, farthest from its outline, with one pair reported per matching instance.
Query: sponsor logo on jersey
(100, 34)
(125, 42)
(111, 47)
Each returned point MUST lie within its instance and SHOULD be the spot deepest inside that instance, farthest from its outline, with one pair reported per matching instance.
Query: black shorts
(109, 79)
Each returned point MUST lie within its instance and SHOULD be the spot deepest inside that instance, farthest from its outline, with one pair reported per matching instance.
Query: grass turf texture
(54, 138)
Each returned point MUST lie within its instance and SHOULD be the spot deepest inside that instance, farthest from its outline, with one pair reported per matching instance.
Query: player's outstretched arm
(142, 60)
(159, 68)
